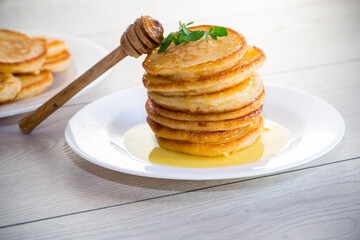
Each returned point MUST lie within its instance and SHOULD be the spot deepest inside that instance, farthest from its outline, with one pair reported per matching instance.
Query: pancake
(222, 125)
(57, 63)
(20, 53)
(193, 60)
(252, 61)
(9, 87)
(33, 84)
(213, 149)
(201, 136)
(205, 99)
(188, 116)
(226, 100)
(54, 45)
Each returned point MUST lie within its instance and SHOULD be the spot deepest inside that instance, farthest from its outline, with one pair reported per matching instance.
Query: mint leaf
(179, 39)
(169, 37)
(213, 36)
(182, 38)
(183, 26)
(185, 35)
(194, 36)
(164, 46)
(220, 32)
(176, 41)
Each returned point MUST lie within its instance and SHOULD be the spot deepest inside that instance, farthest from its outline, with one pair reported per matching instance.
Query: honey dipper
(144, 35)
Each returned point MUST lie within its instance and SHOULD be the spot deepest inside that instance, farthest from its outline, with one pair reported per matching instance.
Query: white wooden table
(48, 192)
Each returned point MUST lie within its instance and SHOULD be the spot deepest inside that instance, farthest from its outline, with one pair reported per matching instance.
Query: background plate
(84, 55)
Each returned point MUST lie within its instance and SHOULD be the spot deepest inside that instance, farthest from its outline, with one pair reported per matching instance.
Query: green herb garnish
(186, 35)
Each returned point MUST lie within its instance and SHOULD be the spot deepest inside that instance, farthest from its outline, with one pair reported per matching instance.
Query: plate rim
(316, 155)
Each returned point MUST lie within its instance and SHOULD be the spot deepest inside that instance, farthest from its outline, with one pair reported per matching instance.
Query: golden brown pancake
(188, 116)
(226, 100)
(212, 149)
(193, 60)
(9, 87)
(33, 84)
(20, 53)
(221, 125)
(57, 63)
(55, 46)
(252, 60)
(201, 136)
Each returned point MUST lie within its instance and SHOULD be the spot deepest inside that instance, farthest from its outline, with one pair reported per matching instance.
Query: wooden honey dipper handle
(33, 119)
(141, 37)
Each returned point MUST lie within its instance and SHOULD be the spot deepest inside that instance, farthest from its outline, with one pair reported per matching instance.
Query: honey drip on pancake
(140, 141)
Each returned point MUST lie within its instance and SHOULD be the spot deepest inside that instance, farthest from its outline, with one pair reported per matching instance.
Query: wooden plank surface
(295, 205)
(310, 45)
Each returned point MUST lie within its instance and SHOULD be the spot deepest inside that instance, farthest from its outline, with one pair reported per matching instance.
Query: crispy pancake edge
(222, 125)
(201, 137)
(242, 72)
(188, 116)
(226, 100)
(211, 149)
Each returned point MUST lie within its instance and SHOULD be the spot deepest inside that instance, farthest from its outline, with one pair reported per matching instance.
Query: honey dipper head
(141, 37)
(153, 28)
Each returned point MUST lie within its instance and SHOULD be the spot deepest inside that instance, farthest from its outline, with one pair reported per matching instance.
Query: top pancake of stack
(193, 60)
(198, 68)
(27, 64)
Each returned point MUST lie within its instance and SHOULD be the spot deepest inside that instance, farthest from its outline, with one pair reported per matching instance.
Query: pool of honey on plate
(140, 141)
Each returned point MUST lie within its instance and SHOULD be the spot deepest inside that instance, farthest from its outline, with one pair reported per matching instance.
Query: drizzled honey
(140, 142)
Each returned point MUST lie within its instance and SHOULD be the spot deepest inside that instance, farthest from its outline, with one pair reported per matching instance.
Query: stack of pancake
(27, 64)
(205, 99)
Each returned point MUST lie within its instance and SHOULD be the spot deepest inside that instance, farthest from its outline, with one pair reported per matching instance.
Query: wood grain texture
(295, 205)
(310, 45)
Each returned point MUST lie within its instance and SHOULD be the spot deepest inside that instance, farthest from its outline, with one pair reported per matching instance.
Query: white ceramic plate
(84, 55)
(96, 133)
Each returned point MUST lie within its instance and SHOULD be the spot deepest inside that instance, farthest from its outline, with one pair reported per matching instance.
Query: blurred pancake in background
(10, 87)
(21, 54)
(54, 45)
(27, 64)
(33, 84)
(57, 63)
